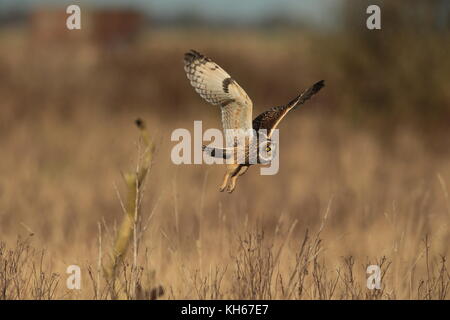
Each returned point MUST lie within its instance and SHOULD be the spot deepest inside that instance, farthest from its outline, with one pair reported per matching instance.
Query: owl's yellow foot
(232, 184)
(225, 182)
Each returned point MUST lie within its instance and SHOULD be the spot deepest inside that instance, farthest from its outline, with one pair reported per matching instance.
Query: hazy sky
(310, 11)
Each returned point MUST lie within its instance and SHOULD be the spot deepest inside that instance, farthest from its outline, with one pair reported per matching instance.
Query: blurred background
(127, 44)
(375, 139)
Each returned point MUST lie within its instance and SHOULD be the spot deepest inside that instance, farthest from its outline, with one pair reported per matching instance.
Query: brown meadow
(355, 188)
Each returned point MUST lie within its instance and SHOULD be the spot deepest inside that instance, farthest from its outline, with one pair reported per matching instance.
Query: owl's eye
(268, 149)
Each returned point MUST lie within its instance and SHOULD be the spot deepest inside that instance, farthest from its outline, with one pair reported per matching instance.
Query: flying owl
(217, 87)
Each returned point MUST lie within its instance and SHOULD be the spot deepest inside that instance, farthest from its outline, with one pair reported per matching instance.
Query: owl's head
(266, 151)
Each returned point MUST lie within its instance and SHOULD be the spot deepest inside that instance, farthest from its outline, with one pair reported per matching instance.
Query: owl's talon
(230, 188)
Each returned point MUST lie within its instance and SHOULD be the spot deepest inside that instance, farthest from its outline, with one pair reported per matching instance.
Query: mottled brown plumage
(270, 119)
(217, 87)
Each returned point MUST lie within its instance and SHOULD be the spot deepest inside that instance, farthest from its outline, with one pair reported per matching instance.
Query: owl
(250, 138)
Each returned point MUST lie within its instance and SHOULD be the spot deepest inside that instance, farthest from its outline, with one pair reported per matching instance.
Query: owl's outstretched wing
(270, 119)
(217, 87)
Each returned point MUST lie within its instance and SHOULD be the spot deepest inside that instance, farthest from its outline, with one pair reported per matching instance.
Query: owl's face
(267, 151)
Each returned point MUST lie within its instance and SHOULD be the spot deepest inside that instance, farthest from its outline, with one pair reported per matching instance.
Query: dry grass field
(357, 185)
